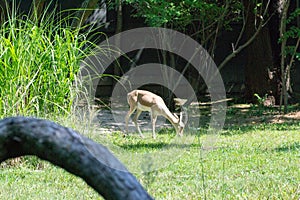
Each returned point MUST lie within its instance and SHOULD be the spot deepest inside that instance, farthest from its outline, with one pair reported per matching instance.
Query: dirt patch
(239, 114)
(247, 114)
(293, 116)
(116, 122)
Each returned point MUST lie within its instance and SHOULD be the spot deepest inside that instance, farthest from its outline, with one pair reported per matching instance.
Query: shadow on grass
(288, 148)
(161, 143)
(155, 146)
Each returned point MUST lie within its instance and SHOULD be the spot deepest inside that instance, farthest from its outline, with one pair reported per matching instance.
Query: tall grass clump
(39, 60)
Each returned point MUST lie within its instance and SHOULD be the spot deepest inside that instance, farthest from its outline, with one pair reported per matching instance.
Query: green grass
(257, 161)
(252, 158)
(47, 183)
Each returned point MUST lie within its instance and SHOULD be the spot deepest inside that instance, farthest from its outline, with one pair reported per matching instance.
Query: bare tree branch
(249, 41)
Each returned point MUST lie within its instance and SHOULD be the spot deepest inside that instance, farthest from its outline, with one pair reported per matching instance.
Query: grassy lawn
(257, 156)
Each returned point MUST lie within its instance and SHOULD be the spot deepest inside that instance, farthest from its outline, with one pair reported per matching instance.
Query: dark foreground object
(75, 153)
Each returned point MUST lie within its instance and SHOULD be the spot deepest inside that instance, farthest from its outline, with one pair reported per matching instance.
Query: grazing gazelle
(142, 100)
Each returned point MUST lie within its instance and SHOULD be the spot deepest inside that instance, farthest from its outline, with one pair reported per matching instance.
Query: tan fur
(142, 100)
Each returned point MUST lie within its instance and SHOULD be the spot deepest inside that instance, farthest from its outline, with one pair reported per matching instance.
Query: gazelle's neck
(174, 119)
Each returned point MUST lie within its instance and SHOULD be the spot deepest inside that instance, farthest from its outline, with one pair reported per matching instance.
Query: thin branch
(241, 47)
(247, 43)
(292, 60)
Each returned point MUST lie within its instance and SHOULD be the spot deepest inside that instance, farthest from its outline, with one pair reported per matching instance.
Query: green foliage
(39, 60)
(261, 100)
(181, 14)
(178, 13)
(292, 33)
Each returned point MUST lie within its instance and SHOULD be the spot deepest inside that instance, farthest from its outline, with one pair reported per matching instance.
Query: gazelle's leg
(135, 118)
(131, 110)
(154, 118)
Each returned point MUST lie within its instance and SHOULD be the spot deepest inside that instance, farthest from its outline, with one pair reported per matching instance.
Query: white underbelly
(143, 108)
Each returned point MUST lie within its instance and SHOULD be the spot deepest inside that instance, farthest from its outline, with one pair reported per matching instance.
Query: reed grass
(39, 60)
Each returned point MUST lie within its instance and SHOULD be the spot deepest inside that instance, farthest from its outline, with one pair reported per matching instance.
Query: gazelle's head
(181, 124)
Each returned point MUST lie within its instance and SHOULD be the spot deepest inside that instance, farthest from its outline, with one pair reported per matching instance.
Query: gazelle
(142, 100)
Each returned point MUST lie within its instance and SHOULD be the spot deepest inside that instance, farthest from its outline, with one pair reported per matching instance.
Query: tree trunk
(274, 28)
(3, 11)
(83, 13)
(261, 70)
(119, 28)
(38, 9)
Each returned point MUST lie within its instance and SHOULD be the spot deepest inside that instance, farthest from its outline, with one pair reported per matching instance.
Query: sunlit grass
(257, 164)
(24, 182)
(39, 61)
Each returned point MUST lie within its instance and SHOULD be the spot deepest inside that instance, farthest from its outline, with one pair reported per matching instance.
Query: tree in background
(205, 19)
(289, 41)
(201, 20)
(262, 70)
(264, 22)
